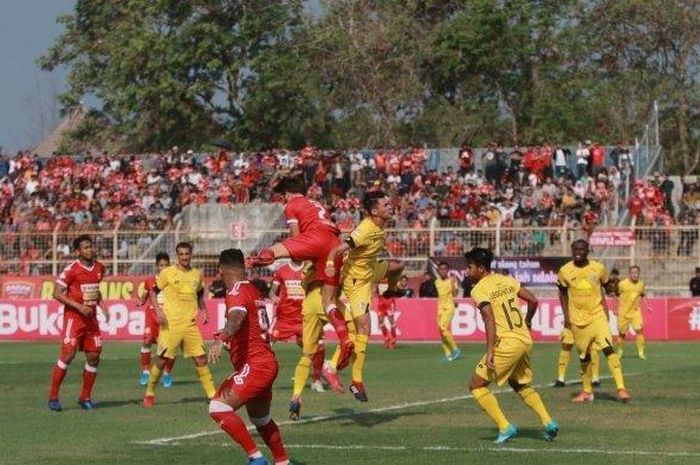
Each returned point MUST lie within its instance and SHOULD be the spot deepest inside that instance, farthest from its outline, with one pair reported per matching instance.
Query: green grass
(662, 419)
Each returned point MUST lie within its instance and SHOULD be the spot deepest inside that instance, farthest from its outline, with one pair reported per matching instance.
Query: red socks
(234, 427)
(272, 437)
(169, 362)
(59, 372)
(335, 317)
(145, 359)
(89, 376)
(317, 362)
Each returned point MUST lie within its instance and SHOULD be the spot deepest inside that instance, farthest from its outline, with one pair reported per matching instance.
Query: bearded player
(254, 362)
(78, 289)
(313, 236)
(150, 327)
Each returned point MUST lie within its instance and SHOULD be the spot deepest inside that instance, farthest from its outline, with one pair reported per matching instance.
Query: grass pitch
(419, 413)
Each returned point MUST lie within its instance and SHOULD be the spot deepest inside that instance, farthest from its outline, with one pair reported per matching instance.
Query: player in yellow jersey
(582, 297)
(508, 344)
(631, 292)
(363, 247)
(184, 300)
(447, 289)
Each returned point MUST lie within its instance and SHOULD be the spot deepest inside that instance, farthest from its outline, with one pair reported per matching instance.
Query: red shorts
(252, 381)
(81, 332)
(283, 330)
(382, 312)
(150, 329)
(315, 245)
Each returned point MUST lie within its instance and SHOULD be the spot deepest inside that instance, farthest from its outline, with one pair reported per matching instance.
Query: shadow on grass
(370, 419)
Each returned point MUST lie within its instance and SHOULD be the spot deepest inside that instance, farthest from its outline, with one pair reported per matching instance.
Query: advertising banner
(615, 238)
(530, 271)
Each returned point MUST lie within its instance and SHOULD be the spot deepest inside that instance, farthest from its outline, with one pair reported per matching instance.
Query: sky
(27, 30)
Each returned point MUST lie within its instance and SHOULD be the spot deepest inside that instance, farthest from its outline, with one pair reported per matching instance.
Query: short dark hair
(80, 239)
(582, 242)
(635, 266)
(371, 200)
(183, 245)
(614, 271)
(403, 276)
(162, 256)
(232, 257)
(443, 263)
(480, 257)
(291, 185)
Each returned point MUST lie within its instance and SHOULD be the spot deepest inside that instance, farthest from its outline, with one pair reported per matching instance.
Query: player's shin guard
(358, 364)
(616, 370)
(268, 430)
(640, 344)
(153, 380)
(301, 375)
(169, 363)
(232, 424)
(488, 403)
(533, 400)
(586, 375)
(145, 358)
(207, 380)
(89, 376)
(595, 365)
(59, 372)
(317, 362)
(564, 357)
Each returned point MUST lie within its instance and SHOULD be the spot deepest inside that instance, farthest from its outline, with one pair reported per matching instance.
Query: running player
(360, 269)
(582, 299)
(631, 292)
(78, 289)
(508, 344)
(447, 289)
(313, 236)
(386, 307)
(184, 299)
(250, 385)
(287, 296)
(150, 327)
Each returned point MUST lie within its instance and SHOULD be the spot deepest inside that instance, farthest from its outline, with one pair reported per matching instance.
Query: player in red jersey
(313, 237)
(287, 295)
(246, 335)
(78, 289)
(151, 327)
(386, 307)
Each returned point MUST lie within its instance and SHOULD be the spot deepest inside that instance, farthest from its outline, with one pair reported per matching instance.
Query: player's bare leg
(564, 357)
(478, 387)
(65, 357)
(533, 400)
(92, 361)
(616, 370)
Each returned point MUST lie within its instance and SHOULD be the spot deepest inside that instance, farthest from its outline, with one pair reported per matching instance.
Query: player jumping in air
(582, 297)
(508, 344)
(150, 327)
(78, 289)
(287, 295)
(631, 293)
(250, 385)
(313, 236)
(359, 276)
(184, 300)
(447, 289)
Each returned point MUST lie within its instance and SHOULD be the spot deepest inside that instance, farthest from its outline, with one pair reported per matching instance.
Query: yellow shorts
(187, 337)
(512, 360)
(596, 334)
(359, 293)
(567, 337)
(627, 319)
(444, 317)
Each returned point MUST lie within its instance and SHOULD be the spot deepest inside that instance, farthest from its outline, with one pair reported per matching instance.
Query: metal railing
(666, 255)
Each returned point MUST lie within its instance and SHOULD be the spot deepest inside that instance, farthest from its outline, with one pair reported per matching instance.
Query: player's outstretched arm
(234, 321)
(490, 327)
(532, 303)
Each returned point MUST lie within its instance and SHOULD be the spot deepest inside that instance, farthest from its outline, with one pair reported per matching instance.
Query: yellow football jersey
(368, 241)
(630, 295)
(180, 288)
(584, 292)
(445, 291)
(501, 292)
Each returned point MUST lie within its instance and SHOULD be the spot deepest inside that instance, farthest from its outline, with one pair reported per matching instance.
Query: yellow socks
(616, 370)
(533, 400)
(153, 379)
(564, 357)
(586, 378)
(207, 380)
(488, 403)
(640, 345)
(620, 345)
(301, 375)
(360, 352)
(448, 342)
(595, 365)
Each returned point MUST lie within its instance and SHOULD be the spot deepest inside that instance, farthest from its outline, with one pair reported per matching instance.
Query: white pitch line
(171, 441)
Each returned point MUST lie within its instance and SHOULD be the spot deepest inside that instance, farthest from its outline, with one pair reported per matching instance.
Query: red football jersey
(148, 287)
(385, 305)
(82, 283)
(250, 343)
(291, 294)
(308, 214)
